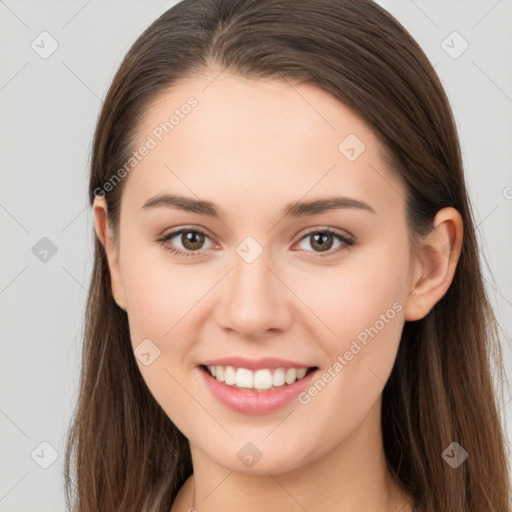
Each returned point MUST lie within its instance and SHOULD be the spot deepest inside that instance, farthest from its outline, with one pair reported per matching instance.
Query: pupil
(194, 238)
(322, 244)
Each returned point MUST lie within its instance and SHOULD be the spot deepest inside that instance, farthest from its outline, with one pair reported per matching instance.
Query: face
(268, 277)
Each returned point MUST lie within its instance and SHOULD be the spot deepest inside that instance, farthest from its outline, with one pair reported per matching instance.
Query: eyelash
(346, 241)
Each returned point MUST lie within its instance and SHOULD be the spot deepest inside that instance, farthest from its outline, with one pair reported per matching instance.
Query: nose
(255, 300)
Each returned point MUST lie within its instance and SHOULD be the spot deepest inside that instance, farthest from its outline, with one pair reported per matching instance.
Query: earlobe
(105, 235)
(436, 264)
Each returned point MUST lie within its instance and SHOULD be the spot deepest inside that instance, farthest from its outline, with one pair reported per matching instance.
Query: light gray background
(49, 108)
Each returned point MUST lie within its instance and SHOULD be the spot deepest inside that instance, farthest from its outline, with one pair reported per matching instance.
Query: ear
(436, 264)
(105, 235)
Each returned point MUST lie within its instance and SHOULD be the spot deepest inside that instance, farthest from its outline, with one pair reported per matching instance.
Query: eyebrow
(293, 209)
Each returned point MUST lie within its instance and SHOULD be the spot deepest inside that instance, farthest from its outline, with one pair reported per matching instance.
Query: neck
(351, 477)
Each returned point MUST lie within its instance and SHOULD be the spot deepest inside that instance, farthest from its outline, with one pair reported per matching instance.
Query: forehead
(238, 139)
(248, 109)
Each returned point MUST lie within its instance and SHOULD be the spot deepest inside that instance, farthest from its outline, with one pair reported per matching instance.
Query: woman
(286, 309)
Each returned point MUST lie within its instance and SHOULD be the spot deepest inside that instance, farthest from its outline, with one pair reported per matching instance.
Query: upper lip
(255, 364)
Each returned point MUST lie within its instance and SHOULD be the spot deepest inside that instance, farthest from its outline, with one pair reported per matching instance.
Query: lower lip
(255, 402)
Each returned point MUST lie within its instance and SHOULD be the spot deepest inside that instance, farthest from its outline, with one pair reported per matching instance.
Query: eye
(191, 240)
(323, 240)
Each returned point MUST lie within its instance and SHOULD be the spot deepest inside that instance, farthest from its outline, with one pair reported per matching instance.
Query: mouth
(260, 380)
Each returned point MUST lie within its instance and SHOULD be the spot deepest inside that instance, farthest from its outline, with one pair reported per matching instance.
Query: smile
(250, 400)
(259, 380)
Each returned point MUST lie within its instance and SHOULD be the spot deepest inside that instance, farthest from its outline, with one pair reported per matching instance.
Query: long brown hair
(125, 453)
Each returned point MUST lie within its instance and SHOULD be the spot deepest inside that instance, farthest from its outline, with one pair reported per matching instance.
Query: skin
(252, 147)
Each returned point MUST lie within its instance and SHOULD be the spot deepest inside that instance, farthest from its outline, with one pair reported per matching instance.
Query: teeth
(244, 378)
(291, 376)
(258, 380)
(278, 377)
(229, 376)
(301, 373)
(262, 379)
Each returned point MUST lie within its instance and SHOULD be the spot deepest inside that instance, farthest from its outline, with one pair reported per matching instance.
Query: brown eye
(192, 240)
(322, 241)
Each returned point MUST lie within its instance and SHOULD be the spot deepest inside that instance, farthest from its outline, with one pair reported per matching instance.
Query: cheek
(159, 293)
(160, 301)
(361, 308)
